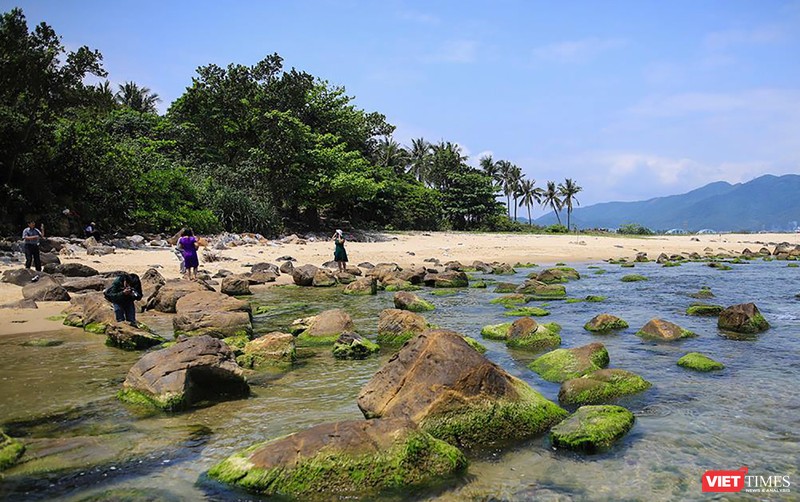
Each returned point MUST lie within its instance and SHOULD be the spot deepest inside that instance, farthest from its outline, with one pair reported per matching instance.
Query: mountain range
(764, 203)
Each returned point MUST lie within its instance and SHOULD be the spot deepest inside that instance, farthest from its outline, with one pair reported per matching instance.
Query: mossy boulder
(703, 294)
(505, 287)
(603, 323)
(527, 312)
(165, 298)
(704, 310)
(90, 311)
(194, 370)
(479, 285)
(633, 278)
(354, 346)
(527, 334)
(322, 329)
(399, 285)
(10, 451)
(496, 331)
(592, 429)
(503, 269)
(665, 331)
(404, 300)
(475, 344)
(342, 460)
(509, 301)
(601, 386)
(456, 394)
(364, 286)
(274, 350)
(42, 342)
(699, 362)
(558, 275)
(124, 336)
(543, 291)
(742, 318)
(447, 279)
(213, 314)
(396, 327)
(563, 364)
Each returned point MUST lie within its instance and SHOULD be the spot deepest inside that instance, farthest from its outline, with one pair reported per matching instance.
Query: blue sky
(632, 99)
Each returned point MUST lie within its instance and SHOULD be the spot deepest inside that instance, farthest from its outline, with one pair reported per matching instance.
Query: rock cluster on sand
(592, 428)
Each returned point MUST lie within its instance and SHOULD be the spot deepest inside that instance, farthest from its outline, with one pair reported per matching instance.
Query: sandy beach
(405, 249)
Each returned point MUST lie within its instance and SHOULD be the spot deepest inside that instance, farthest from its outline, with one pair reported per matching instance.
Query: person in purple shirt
(188, 244)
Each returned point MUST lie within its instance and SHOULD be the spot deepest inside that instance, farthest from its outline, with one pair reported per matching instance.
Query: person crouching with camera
(123, 292)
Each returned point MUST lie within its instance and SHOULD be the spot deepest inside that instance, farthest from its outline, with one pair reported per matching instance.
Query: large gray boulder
(194, 370)
(235, 285)
(166, 297)
(86, 284)
(213, 314)
(19, 276)
(46, 289)
(90, 311)
(70, 269)
(304, 275)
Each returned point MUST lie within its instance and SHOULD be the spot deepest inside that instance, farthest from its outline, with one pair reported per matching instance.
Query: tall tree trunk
(530, 223)
(568, 212)
(515, 209)
(557, 216)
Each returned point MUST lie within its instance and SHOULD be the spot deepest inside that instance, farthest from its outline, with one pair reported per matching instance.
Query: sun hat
(338, 231)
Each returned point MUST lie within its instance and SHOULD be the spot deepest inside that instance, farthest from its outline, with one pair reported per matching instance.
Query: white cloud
(454, 51)
(723, 40)
(577, 51)
(780, 101)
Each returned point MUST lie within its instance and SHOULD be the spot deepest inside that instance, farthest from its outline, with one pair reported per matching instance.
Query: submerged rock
(699, 362)
(527, 312)
(505, 287)
(214, 314)
(634, 278)
(404, 300)
(527, 334)
(456, 394)
(704, 310)
(603, 323)
(658, 329)
(396, 326)
(353, 346)
(351, 459)
(323, 328)
(194, 370)
(10, 451)
(543, 291)
(563, 364)
(273, 350)
(509, 301)
(592, 429)
(703, 294)
(558, 275)
(601, 386)
(124, 336)
(742, 318)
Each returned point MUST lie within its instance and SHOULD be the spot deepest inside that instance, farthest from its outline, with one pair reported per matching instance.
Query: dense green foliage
(634, 229)
(245, 148)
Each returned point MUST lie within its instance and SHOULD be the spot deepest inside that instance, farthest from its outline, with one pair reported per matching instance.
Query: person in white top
(31, 237)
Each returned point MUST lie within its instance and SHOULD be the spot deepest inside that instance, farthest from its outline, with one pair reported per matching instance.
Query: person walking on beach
(31, 237)
(339, 253)
(126, 289)
(188, 244)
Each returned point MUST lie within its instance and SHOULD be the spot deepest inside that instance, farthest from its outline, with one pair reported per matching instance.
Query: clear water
(61, 399)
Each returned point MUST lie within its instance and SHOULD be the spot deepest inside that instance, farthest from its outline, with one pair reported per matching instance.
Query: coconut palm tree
(505, 176)
(515, 178)
(489, 166)
(140, 99)
(446, 158)
(392, 154)
(419, 158)
(529, 193)
(568, 190)
(551, 198)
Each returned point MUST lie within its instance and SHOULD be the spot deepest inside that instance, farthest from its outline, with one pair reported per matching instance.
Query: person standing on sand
(188, 244)
(31, 237)
(339, 253)
(126, 289)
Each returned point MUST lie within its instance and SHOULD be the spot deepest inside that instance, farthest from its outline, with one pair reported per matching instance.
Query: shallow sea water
(61, 399)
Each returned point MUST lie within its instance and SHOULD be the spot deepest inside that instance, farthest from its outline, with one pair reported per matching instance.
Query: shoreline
(404, 248)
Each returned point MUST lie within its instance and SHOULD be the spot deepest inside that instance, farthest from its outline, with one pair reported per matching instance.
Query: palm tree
(392, 154)
(489, 166)
(140, 99)
(550, 198)
(529, 193)
(419, 160)
(446, 159)
(568, 191)
(504, 169)
(515, 178)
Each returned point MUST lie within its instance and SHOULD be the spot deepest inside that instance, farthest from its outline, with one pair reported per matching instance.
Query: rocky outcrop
(601, 386)
(542, 291)
(356, 459)
(353, 346)
(604, 323)
(396, 326)
(404, 300)
(19, 276)
(70, 269)
(743, 318)
(456, 394)
(274, 350)
(362, 287)
(213, 314)
(323, 328)
(194, 370)
(86, 284)
(124, 336)
(235, 285)
(665, 331)
(592, 429)
(165, 298)
(304, 275)
(558, 275)
(46, 289)
(564, 364)
(699, 362)
(91, 311)
(527, 334)
(447, 279)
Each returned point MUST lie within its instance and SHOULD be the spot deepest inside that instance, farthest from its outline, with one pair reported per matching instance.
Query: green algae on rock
(601, 386)
(496, 331)
(404, 300)
(505, 287)
(509, 301)
(527, 311)
(563, 364)
(527, 334)
(542, 291)
(354, 346)
(703, 294)
(396, 327)
(592, 429)
(742, 318)
(274, 350)
(704, 310)
(633, 278)
(321, 329)
(603, 323)
(699, 362)
(357, 458)
(10, 451)
(475, 344)
(661, 330)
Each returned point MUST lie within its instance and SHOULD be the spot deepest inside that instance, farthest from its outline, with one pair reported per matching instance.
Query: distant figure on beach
(339, 253)
(126, 289)
(189, 244)
(31, 237)
(91, 231)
